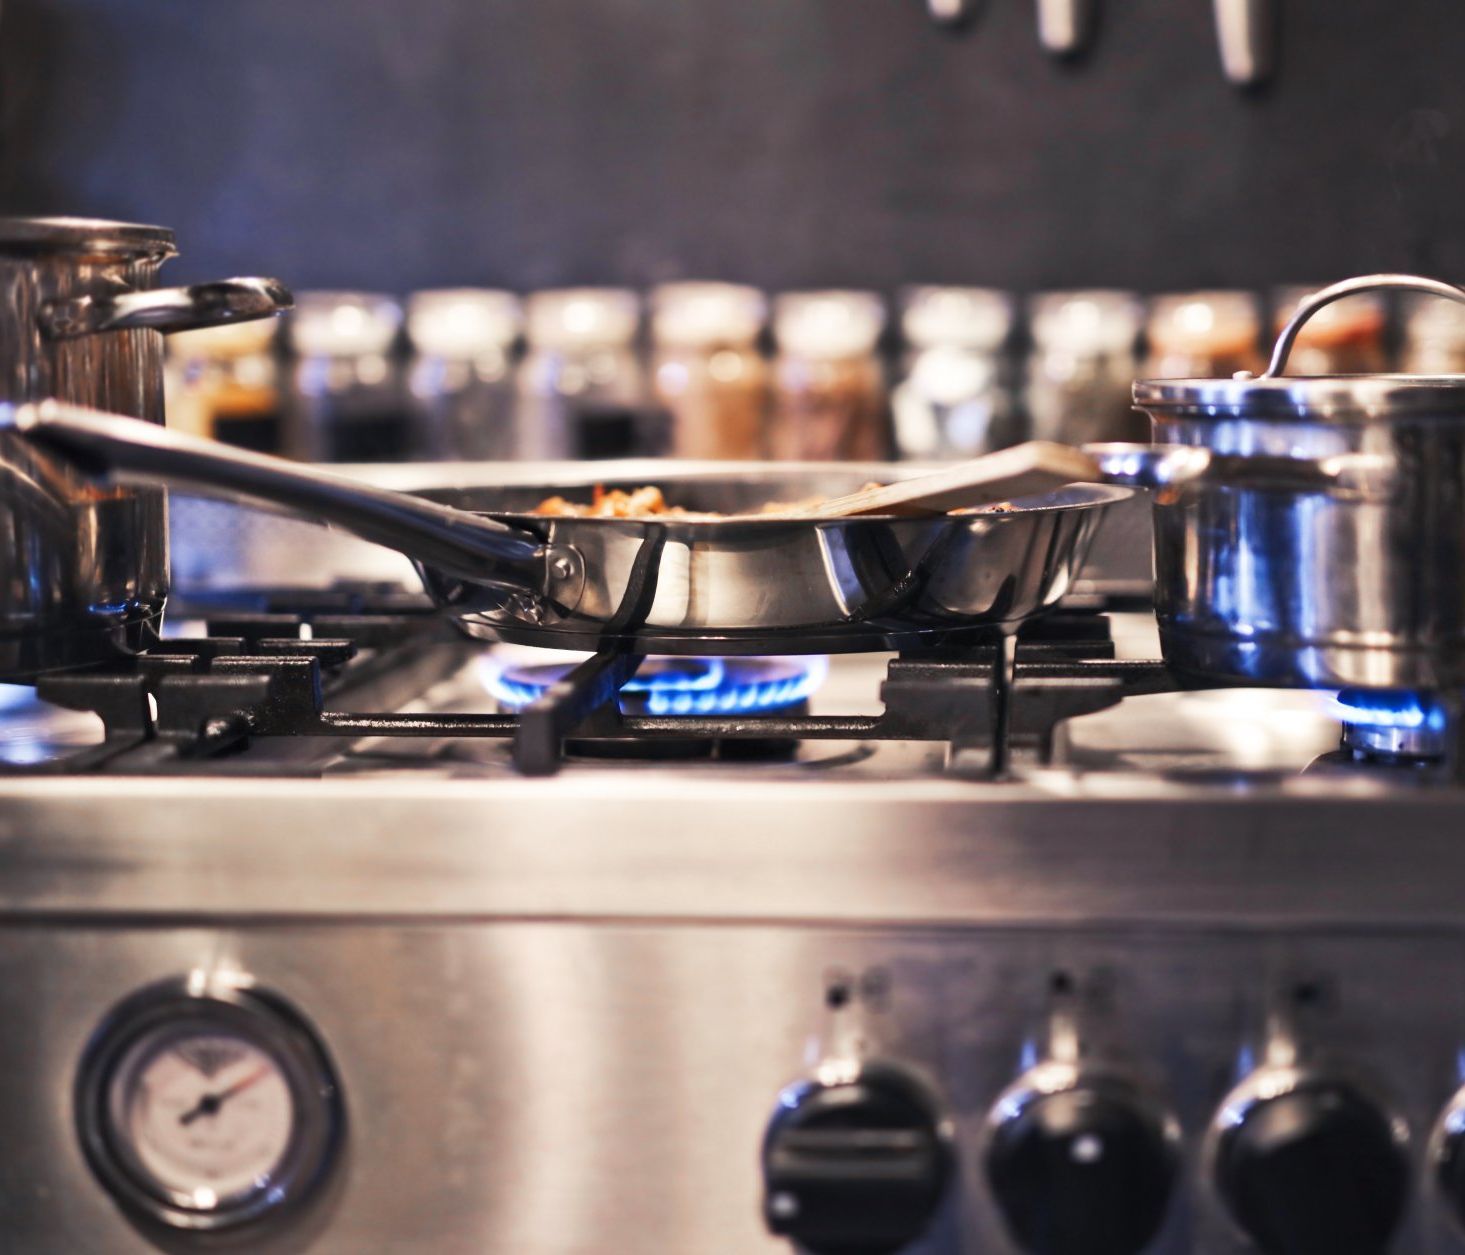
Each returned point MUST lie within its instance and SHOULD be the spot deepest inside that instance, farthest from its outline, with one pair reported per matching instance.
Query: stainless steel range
(327, 930)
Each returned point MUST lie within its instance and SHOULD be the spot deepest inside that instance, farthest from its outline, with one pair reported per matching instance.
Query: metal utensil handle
(1350, 287)
(166, 309)
(463, 544)
(1173, 466)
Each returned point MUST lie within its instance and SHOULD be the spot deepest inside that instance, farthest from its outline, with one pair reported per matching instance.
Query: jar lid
(343, 324)
(582, 318)
(1086, 323)
(461, 323)
(86, 235)
(832, 323)
(959, 318)
(704, 315)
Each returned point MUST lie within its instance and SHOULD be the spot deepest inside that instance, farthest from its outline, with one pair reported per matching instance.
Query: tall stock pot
(84, 568)
(1309, 531)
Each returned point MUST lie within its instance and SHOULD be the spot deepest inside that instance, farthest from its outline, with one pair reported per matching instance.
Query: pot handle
(1174, 466)
(165, 309)
(459, 543)
(1282, 350)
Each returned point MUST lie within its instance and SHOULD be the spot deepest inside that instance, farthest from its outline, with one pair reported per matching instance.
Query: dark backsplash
(395, 144)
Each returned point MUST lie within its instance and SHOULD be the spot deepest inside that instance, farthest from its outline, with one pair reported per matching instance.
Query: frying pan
(659, 585)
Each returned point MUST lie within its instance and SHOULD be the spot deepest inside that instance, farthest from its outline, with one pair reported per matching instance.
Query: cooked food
(648, 502)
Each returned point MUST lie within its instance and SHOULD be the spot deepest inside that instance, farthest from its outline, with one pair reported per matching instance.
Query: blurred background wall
(396, 144)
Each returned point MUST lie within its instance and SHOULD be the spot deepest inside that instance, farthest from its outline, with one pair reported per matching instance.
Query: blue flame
(1379, 708)
(678, 686)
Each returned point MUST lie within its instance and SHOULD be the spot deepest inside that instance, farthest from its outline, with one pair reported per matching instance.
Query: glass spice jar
(460, 378)
(707, 369)
(829, 388)
(224, 383)
(954, 399)
(1344, 338)
(347, 402)
(1203, 335)
(1082, 365)
(581, 389)
(1434, 337)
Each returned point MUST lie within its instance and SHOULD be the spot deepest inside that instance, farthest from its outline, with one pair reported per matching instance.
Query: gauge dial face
(201, 1110)
(206, 1115)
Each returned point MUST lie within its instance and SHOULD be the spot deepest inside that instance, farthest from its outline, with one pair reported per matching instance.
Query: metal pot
(1309, 531)
(84, 569)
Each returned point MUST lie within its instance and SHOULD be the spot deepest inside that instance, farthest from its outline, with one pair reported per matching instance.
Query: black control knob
(857, 1167)
(1309, 1165)
(1084, 1170)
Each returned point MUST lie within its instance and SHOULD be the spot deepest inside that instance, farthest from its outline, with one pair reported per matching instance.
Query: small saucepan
(1309, 531)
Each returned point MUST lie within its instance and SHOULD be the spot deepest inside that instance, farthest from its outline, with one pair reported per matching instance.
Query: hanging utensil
(1246, 31)
(1063, 25)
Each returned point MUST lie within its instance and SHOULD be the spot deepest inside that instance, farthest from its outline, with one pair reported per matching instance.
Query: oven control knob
(858, 1165)
(1081, 1165)
(1306, 1162)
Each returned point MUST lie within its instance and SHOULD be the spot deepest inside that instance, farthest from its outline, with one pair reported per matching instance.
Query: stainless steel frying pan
(725, 586)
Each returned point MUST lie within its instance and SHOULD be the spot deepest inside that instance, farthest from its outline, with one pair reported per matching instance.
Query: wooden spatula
(1023, 470)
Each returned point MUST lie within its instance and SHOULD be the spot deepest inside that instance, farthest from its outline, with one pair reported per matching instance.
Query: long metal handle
(1174, 466)
(1282, 350)
(166, 309)
(464, 545)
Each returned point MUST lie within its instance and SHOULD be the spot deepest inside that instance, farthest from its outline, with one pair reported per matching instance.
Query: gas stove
(326, 929)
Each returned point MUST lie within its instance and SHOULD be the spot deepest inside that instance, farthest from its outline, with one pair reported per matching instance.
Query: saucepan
(83, 569)
(1309, 531)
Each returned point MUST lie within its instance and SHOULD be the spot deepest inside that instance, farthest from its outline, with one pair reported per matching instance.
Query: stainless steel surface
(1246, 33)
(1352, 580)
(1063, 25)
(561, 1012)
(84, 570)
(749, 585)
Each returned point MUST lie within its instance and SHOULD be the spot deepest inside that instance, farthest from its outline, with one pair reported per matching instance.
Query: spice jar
(347, 403)
(954, 399)
(1344, 338)
(1082, 364)
(224, 383)
(829, 389)
(460, 378)
(1201, 335)
(707, 369)
(1434, 337)
(581, 390)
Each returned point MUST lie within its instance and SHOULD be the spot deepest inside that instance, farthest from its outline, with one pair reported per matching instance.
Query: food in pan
(648, 502)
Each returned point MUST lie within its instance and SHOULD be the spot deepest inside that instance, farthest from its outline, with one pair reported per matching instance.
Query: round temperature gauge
(207, 1104)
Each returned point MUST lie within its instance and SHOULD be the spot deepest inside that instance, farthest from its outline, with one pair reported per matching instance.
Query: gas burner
(1392, 725)
(673, 686)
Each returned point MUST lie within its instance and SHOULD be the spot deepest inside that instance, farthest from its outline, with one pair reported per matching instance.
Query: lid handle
(1350, 287)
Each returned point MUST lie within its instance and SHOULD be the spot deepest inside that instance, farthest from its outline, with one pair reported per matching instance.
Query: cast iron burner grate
(306, 670)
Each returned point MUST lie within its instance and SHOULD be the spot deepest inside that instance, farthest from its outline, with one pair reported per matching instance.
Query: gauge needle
(209, 1104)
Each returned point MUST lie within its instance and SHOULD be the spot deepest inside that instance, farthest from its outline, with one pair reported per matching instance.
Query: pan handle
(1174, 466)
(166, 309)
(461, 544)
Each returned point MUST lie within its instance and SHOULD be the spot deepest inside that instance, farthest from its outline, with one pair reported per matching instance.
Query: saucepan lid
(85, 235)
(1276, 395)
